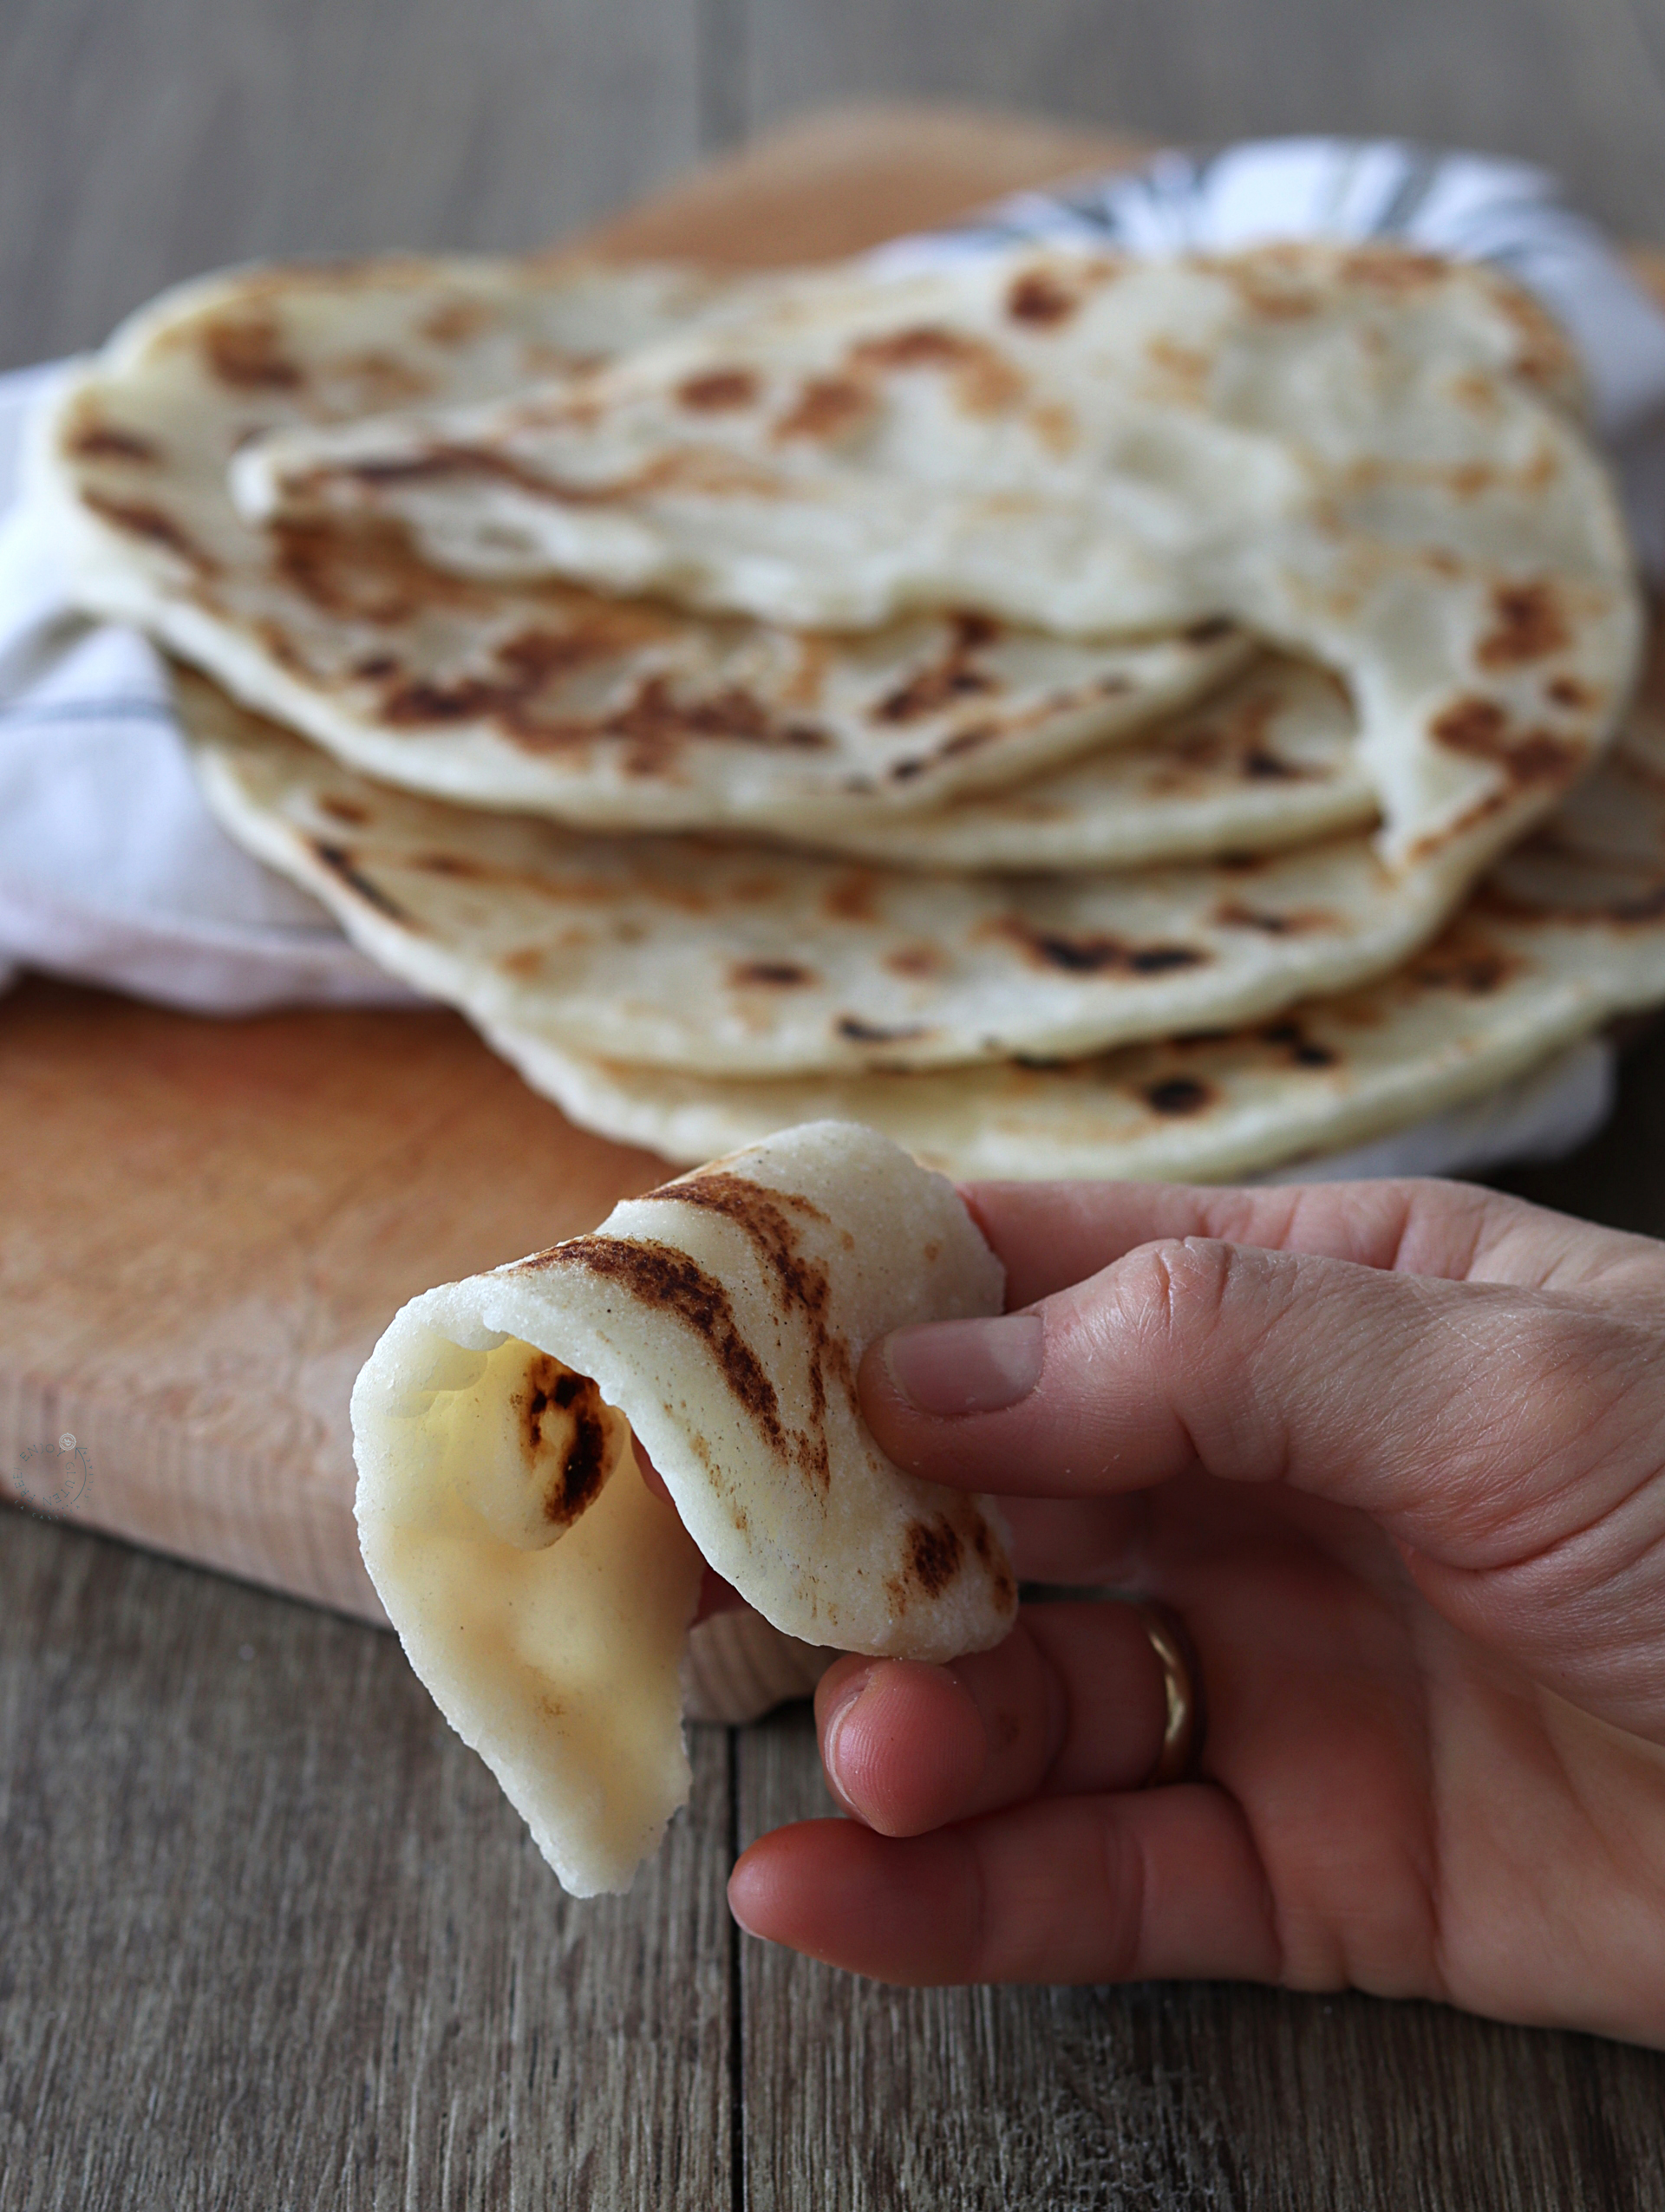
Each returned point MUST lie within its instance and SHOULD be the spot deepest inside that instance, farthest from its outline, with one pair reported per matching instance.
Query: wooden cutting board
(207, 1224)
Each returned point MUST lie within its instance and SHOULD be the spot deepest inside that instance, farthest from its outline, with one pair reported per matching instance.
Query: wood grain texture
(271, 1937)
(860, 2098)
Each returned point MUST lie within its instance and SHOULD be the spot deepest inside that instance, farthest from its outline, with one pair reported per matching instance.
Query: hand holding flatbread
(543, 1592)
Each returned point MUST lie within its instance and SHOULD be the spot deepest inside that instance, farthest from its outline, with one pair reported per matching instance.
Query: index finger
(1052, 1235)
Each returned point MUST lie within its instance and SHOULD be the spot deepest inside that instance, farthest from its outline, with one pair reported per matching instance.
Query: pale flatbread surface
(545, 699)
(725, 959)
(1366, 455)
(544, 1593)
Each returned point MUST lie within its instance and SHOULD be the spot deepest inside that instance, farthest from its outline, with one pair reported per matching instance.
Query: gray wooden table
(269, 1936)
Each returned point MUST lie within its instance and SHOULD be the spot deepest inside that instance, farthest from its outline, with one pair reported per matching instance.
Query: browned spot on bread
(924, 345)
(825, 407)
(992, 1554)
(1480, 729)
(1209, 630)
(380, 379)
(717, 391)
(525, 694)
(338, 859)
(363, 573)
(104, 441)
(278, 642)
(1176, 1096)
(1544, 354)
(569, 1455)
(1567, 691)
(984, 380)
(455, 322)
(699, 470)
(857, 1032)
(344, 810)
(803, 688)
(950, 676)
(1304, 1051)
(933, 1555)
(951, 748)
(1055, 426)
(1096, 955)
(1038, 297)
(1528, 625)
(246, 351)
(916, 960)
(525, 961)
(781, 973)
(528, 665)
(1394, 268)
(1272, 292)
(1304, 921)
(141, 520)
(1260, 765)
(1464, 960)
(801, 1291)
(658, 1275)
(853, 897)
(1183, 364)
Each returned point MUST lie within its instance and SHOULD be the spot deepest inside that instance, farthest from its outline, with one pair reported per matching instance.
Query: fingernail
(849, 1698)
(976, 1366)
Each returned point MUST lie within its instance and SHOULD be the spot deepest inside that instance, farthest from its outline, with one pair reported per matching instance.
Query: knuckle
(1174, 1294)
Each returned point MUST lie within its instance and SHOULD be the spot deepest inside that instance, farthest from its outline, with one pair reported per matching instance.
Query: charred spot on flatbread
(1481, 728)
(1528, 625)
(659, 1275)
(953, 676)
(93, 440)
(246, 350)
(1177, 1094)
(801, 1288)
(340, 861)
(565, 1437)
(1302, 1050)
(1040, 300)
(1097, 954)
(717, 391)
(143, 518)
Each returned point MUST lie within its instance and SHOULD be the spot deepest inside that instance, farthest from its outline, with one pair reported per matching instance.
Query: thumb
(1484, 1427)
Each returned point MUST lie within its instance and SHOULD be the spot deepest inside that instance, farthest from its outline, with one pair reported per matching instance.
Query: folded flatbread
(547, 699)
(1366, 455)
(544, 1593)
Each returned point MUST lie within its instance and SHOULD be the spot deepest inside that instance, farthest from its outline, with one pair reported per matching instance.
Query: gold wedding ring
(1182, 1687)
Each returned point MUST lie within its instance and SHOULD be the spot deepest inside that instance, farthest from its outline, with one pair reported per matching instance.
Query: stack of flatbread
(1076, 715)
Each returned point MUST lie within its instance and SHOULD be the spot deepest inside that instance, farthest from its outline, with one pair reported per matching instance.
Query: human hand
(1395, 1453)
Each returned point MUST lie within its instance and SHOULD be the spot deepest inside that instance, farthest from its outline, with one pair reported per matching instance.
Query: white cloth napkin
(112, 871)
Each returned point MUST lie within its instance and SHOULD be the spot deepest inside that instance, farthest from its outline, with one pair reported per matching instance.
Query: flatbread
(544, 1593)
(1270, 761)
(1364, 454)
(714, 958)
(546, 700)
(1568, 932)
